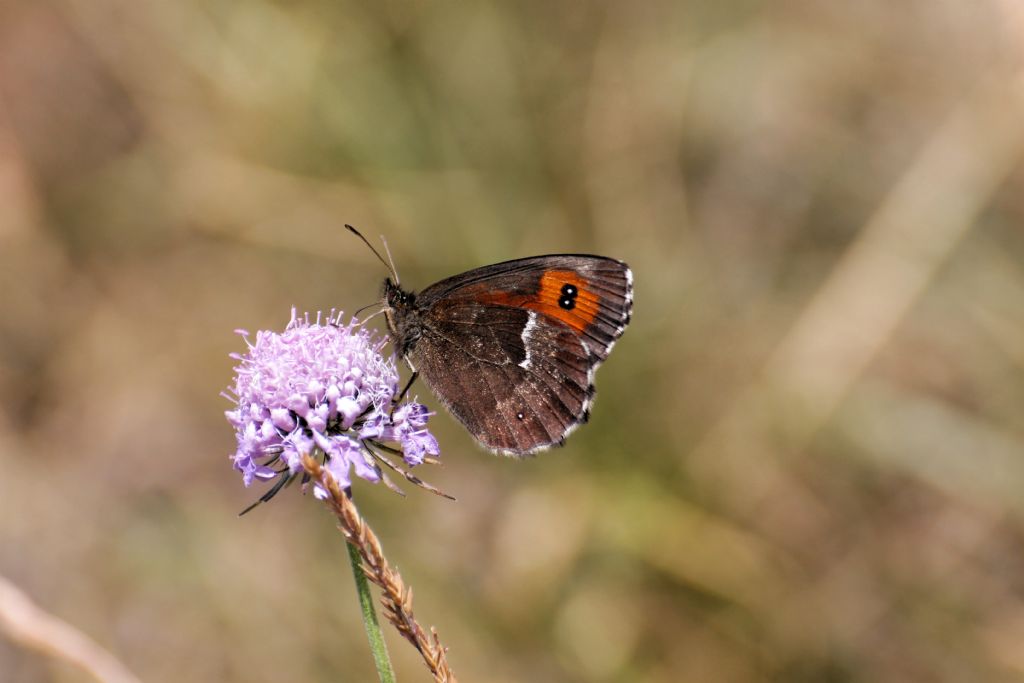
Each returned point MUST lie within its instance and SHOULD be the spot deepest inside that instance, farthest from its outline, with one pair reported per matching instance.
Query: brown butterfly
(511, 348)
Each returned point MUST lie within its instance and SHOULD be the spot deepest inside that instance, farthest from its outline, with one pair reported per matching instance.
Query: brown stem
(396, 597)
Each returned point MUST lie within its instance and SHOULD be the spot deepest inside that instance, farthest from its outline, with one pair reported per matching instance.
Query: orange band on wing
(586, 304)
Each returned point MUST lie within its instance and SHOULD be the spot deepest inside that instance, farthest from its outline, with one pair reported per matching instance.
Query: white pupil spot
(520, 416)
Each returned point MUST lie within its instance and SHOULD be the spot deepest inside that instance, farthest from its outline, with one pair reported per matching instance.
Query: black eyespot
(569, 291)
(520, 416)
(568, 303)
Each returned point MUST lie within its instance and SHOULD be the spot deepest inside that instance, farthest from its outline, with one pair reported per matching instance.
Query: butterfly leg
(408, 385)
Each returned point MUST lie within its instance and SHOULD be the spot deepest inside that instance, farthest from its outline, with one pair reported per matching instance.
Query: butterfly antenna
(394, 271)
(376, 253)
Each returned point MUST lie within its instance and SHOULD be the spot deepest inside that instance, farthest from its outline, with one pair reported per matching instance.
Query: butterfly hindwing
(519, 383)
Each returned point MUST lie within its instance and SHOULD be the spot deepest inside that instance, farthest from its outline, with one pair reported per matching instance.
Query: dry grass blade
(26, 623)
(396, 596)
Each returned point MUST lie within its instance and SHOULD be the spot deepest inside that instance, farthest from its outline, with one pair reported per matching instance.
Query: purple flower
(323, 389)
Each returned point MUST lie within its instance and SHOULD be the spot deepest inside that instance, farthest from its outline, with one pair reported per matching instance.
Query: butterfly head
(395, 297)
(400, 312)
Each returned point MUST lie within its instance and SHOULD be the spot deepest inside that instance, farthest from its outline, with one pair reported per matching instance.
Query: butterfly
(511, 349)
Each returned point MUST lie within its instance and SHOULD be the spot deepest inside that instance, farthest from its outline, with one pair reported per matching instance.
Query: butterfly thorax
(403, 317)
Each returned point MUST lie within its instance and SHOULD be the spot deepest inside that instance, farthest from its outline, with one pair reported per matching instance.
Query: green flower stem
(373, 632)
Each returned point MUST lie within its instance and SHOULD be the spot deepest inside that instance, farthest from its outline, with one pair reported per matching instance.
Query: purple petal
(348, 410)
(282, 419)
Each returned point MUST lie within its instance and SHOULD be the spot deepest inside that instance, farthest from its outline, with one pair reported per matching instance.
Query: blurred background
(806, 462)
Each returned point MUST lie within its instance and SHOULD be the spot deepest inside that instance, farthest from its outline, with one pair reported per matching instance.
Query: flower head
(323, 389)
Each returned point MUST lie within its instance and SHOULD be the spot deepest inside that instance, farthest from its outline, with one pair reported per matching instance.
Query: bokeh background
(806, 462)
